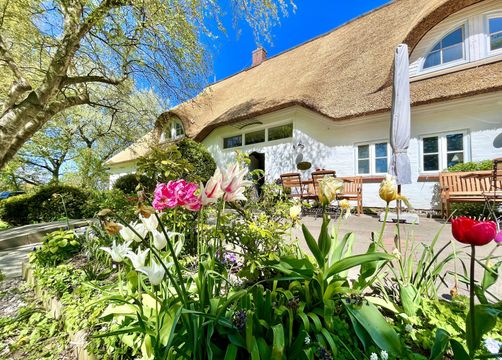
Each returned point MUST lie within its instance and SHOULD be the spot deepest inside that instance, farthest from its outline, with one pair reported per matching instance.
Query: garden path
(362, 226)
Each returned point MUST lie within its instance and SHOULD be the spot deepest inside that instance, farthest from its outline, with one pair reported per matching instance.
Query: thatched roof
(343, 74)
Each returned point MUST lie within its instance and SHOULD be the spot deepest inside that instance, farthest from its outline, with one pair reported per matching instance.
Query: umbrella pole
(398, 211)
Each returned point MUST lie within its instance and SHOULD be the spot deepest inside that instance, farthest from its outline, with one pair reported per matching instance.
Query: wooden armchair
(493, 195)
(353, 191)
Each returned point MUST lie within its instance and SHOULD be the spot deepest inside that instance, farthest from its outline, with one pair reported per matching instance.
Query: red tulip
(473, 232)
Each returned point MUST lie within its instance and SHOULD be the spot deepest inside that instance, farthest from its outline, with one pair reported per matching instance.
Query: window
(495, 30)
(232, 141)
(442, 151)
(255, 137)
(173, 130)
(372, 158)
(280, 132)
(448, 49)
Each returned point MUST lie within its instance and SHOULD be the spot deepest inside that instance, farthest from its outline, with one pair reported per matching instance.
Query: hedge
(129, 183)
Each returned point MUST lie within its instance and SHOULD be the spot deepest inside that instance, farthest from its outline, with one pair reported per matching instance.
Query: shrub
(4, 225)
(199, 157)
(115, 199)
(472, 166)
(129, 183)
(44, 205)
(56, 247)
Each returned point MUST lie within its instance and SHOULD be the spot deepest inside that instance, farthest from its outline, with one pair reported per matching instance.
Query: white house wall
(331, 145)
(119, 170)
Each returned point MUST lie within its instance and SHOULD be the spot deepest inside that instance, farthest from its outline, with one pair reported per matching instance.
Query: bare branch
(93, 78)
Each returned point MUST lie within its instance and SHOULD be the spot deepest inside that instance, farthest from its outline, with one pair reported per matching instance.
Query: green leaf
(459, 352)
(409, 299)
(355, 260)
(377, 327)
(311, 243)
(440, 344)
(485, 319)
(231, 353)
(278, 344)
(324, 240)
(491, 275)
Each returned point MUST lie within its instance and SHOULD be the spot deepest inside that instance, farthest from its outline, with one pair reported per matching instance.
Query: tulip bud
(328, 188)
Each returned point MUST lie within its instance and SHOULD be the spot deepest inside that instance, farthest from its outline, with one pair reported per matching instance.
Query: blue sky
(232, 53)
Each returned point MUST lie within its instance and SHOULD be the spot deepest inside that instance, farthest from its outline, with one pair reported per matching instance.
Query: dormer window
(173, 130)
(450, 48)
(495, 28)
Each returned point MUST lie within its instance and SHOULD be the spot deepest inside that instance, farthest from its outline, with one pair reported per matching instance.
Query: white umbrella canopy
(400, 121)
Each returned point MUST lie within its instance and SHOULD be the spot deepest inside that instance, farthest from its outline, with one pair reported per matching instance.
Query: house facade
(327, 102)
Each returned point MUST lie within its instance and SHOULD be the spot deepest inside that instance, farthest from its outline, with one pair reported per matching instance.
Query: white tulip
(129, 235)
(155, 272)
(117, 252)
(138, 259)
(159, 240)
(151, 223)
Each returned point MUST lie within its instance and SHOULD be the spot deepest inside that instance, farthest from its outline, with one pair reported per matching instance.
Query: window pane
(363, 151)
(280, 132)
(381, 150)
(496, 41)
(453, 53)
(455, 37)
(233, 141)
(455, 142)
(430, 145)
(363, 167)
(255, 137)
(433, 59)
(431, 162)
(381, 165)
(455, 158)
(437, 47)
(495, 25)
(179, 129)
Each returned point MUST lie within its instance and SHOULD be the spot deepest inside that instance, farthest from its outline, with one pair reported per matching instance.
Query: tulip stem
(471, 300)
(380, 236)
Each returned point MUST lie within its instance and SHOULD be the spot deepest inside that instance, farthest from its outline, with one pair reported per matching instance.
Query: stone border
(56, 309)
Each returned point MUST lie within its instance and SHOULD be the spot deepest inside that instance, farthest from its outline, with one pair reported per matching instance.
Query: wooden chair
(353, 191)
(318, 176)
(493, 195)
(292, 185)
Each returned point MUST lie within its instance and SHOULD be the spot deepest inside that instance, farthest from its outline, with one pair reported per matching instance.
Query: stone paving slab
(33, 233)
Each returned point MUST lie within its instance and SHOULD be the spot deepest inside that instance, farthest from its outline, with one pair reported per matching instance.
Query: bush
(56, 247)
(115, 199)
(44, 205)
(129, 183)
(199, 157)
(4, 225)
(472, 166)
(470, 209)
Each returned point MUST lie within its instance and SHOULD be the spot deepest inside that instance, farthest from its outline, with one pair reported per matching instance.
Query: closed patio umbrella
(400, 122)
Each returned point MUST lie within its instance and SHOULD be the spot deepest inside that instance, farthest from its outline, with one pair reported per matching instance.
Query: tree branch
(92, 78)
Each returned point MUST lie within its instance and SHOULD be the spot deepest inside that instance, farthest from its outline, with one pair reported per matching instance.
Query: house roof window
(495, 28)
(450, 48)
(173, 130)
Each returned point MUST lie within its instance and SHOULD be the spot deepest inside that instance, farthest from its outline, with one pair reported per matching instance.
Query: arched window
(173, 130)
(495, 32)
(450, 48)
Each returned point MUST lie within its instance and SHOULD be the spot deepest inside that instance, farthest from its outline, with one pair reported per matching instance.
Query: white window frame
(442, 149)
(372, 157)
(171, 127)
(487, 17)
(258, 128)
(465, 44)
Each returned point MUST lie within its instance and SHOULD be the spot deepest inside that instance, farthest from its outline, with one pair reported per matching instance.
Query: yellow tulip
(328, 188)
(345, 206)
(388, 191)
(295, 211)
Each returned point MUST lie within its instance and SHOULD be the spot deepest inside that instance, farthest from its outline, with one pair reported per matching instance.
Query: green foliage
(4, 225)
(197, 155)
(186, 159)
(132, 183)
(57, 247)
(116, 200)
(472, 166)
(43, 205)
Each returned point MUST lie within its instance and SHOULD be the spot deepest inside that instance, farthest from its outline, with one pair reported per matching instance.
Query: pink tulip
(176, 193)
(498, 238)
(212, 191)
(233, 183)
